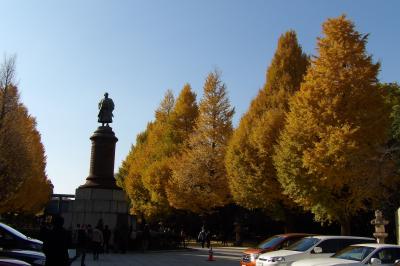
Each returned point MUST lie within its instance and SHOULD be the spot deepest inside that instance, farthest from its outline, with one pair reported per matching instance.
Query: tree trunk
(345, 226)
(288, 222)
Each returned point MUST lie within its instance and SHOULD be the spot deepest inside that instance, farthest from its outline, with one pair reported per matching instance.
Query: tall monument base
(94, 204)
(100, 199)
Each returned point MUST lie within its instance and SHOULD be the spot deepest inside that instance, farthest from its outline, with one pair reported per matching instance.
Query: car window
(270, 242)
(334, 245)
(347, 242)
(343, 243)
(11, 230)
(5, 235)
(330, 245)
(357, 253)
(303, 244)
(387, 255)
(290, 241)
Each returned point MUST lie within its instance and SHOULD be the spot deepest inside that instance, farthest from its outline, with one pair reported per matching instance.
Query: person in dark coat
(97, 242)
(202, 237)
(82, 243)
(146, 237)
(106, 236)
(55, 244)
(182, 235)
(208, 238)
(89, 238)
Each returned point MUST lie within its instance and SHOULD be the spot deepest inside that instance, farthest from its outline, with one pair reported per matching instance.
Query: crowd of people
(100, 239)
(96, 240)
(204, 237)
(86, 239)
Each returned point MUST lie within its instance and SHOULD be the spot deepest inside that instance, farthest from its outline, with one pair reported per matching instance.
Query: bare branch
(7, 74)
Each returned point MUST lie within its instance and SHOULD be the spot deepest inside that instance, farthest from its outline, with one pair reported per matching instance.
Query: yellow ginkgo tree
(199, 182)
(146, 171)
(328, 159)
(25, 187)
(251, 173)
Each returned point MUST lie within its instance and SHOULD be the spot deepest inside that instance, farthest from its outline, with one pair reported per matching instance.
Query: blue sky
(70, 52)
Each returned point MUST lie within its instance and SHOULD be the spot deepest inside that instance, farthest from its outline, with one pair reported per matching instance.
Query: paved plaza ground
(194, 256)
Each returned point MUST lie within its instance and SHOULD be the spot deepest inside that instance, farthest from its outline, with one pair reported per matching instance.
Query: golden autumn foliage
(184, 115)
(36, 190)
(129, 177)
(147, 169)
(328, 154)
(25, 187)
(315, 137)
(145, 177)
(199, 183)
(251, 173)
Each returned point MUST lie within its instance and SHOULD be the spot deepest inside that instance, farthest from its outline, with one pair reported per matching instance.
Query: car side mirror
(317, 250)
(376, 261)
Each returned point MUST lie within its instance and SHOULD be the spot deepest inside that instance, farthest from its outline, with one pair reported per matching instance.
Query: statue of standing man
(106, 107)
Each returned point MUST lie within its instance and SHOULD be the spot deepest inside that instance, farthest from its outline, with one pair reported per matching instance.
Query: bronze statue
(106, 106)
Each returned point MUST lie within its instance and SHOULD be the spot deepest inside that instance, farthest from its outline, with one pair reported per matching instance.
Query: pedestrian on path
(97, 241)
(55, 244)
(82, 243)
(202, 237)
(208, 238)
(106, 236)
(89, 237)
(183, 237)
(146, 237)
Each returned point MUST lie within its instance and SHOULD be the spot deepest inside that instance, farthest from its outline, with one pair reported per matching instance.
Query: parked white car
(357, 255)
(310, 247)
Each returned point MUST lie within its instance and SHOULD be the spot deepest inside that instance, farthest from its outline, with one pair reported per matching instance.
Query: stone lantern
(379, 223)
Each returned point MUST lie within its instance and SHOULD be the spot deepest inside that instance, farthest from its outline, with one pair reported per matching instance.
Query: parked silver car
(310, 247)
(357, 255)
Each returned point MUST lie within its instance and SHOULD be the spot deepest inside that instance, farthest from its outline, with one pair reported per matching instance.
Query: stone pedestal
(92, 204)
(102, 158)
(100, 197)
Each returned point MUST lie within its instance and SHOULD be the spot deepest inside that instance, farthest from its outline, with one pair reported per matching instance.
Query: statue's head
(106, 95)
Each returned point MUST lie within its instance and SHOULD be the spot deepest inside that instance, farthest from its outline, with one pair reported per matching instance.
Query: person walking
(183, 238)
(224, 240)
(208, 238)
(75, 238)
(82, 243)
(146, 237)
(106, 236)
(55, 244)
(89, 237)
(97, 242)
(202, 237)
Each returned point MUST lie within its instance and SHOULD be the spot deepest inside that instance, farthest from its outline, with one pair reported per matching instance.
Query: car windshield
(356, 253)
(303, 244)
(12, 230)
(270, 242)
